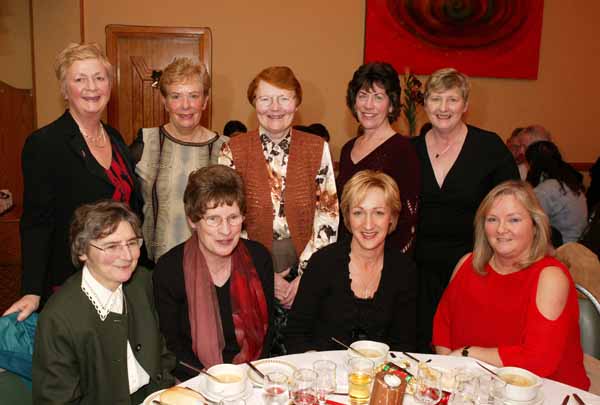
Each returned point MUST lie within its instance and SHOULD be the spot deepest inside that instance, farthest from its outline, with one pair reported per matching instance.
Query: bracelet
(465, 351)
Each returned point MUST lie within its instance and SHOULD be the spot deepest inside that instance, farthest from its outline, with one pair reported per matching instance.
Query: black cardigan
(173, 312)
(325, 305)
(60, 174)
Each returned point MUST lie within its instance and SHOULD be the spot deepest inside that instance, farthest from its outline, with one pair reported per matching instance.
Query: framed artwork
(485, 38)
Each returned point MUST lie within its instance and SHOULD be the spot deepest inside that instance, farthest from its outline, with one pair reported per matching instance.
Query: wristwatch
(465, 351)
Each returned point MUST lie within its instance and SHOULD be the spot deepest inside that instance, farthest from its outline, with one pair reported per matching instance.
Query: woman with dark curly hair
(559, 188)
(373, 96)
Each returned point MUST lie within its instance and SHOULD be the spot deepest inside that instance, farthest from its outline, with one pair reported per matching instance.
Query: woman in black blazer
(74, 160)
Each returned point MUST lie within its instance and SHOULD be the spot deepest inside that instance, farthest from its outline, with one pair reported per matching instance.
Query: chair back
(589, 322)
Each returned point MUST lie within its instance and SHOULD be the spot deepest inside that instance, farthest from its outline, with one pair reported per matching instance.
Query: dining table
(553, 392)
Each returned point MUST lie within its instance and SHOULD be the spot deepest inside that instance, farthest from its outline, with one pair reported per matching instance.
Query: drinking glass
(303, 387)
(488, 385)
(465, 388)
(276, 389)
(360, 379)
(326, 379)
(429, 385)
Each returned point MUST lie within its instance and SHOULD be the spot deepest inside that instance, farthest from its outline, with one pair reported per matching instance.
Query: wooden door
(138, 52)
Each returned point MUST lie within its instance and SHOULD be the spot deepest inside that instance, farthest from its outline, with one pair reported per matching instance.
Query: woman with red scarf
(214, 292)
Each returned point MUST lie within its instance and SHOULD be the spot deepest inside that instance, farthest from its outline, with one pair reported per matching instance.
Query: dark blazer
(59, 175)
(80, 359)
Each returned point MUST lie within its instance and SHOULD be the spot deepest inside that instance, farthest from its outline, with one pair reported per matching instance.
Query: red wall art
(485, 38)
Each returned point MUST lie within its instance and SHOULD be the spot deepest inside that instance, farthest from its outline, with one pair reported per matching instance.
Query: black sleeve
(37, 223)
(299, 332)
(403, 331)
(172, 308)
(506, 167)
(137, 147)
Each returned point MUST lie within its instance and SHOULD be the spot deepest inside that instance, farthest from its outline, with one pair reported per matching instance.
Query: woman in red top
(509, 303)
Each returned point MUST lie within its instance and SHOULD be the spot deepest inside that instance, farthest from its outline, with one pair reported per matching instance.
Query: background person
(509, 303)
(373, 96)
(74, 160)
(214, 293)
(460, 164)
(234, 127)
(559, 189)
(361, 288)
(97, 340)
(168, 154)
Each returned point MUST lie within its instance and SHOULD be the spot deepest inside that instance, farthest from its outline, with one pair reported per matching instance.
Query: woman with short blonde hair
(374, 283)
(166, 155)
(74, 160)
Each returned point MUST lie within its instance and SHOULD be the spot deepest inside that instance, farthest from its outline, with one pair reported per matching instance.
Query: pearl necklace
(456, 142)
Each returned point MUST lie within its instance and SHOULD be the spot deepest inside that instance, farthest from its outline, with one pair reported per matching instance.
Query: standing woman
(168, 154)
(460, 164)
(288, 172)
(373, 96)
(72, 161)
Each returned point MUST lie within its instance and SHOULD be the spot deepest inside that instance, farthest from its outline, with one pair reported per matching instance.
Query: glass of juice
(360, 380)
(303, 387)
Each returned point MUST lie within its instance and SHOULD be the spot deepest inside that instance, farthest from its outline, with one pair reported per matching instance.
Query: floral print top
(326, 220)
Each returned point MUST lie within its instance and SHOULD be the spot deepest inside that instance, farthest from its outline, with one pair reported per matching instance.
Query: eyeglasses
(282, 100)
(216, 220)
(115, 248)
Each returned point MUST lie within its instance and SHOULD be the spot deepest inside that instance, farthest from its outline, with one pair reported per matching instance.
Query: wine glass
(429, 385)
(326, 379)
(303, 387)
(276, 389)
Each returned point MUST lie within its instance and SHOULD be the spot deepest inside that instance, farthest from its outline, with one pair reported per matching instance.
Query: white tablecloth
(554, 392)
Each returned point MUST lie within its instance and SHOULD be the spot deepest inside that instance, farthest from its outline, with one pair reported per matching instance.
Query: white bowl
(375, 351)
(521, 384)
(233, 379)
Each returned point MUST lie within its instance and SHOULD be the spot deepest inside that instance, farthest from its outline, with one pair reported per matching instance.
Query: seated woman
(559, 189)
(97, 339)
(509, 303)
(214, 293)
(359, 288)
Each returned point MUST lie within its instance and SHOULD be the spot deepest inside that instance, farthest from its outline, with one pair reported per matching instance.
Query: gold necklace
(99, 141)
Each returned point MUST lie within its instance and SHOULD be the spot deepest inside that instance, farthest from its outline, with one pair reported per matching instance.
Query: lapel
(74, 139)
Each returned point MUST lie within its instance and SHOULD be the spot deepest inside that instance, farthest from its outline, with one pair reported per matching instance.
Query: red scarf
(248, 306)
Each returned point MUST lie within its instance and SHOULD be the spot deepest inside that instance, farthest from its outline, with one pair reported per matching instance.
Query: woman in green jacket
(98, 340)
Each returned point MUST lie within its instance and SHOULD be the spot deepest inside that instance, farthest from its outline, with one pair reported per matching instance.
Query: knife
(578, 399)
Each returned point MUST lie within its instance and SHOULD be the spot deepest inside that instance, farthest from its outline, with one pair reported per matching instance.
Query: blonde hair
(183, 70)
(446, 79)
(356, 189)
(523, 193)
(76, 52)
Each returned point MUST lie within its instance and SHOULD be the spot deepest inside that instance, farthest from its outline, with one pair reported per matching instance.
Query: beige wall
(55, 24)
(15, 44)
(323, 42)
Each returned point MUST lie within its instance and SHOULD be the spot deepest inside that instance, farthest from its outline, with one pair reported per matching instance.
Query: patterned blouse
(325, 223)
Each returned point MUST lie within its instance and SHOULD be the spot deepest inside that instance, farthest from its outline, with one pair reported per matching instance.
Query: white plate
(201, 386)
(151, 397)
(267, 366)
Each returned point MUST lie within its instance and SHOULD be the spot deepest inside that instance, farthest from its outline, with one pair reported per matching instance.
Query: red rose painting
(486, 38)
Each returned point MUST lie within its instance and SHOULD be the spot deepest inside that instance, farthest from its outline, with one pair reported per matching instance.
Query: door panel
(136, 52)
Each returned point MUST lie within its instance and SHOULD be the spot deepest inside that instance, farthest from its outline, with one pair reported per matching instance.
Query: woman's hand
(25, 306)
(285, 291)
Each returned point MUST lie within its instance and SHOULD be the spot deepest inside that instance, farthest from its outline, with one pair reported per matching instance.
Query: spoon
(196, 369)
(487, 369)
(348, 347)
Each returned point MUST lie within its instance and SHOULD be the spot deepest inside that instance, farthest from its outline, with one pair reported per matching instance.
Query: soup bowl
(375, 351)
(232, 378)
(521, 384)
